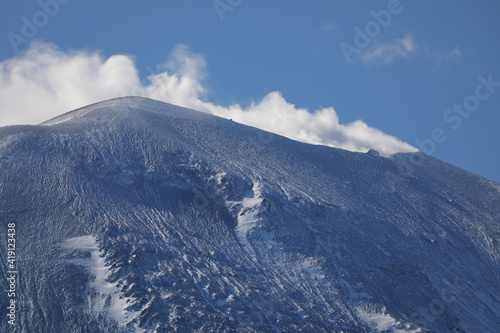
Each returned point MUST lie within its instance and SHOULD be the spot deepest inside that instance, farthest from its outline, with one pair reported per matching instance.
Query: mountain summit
(135, 215)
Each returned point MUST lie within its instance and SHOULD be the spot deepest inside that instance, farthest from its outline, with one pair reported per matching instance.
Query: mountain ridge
(206, 224)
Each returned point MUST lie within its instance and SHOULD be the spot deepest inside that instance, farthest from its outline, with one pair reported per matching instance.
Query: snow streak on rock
(248, 217)
(382, 322)
(103, 297)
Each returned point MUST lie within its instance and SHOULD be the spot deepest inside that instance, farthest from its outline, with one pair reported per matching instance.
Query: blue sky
(406, 72)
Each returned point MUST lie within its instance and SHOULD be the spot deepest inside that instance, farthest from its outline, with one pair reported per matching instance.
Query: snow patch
(103, 297)
(248, 217)
(383, 322)
(8, 140)
(311, 266)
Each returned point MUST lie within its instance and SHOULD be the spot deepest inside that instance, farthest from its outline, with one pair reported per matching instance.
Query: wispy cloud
(328, 26)
(456, 53)
(44, 82)
(387, 53)
(406, 48)
(448, 57)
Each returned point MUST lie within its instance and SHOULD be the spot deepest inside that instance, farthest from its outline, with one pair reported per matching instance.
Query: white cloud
(44, 82)
(387, 53)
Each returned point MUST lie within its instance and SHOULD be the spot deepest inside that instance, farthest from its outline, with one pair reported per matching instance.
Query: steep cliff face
(136, 215)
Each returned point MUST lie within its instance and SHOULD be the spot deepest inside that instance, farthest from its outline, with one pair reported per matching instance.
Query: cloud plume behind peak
(44, 82)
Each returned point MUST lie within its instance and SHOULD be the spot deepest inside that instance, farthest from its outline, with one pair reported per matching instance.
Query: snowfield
(134, 215)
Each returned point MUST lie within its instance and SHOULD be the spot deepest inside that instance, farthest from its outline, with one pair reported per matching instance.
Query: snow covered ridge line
(81, 112)
(137, 103)
(319, 128)
(103, 297)
(270, 113)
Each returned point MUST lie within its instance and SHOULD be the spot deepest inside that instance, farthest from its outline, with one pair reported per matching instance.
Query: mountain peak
(137, 215)
(114, 107)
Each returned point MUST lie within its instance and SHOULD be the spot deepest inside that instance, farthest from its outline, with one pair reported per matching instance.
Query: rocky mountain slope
(135, 215)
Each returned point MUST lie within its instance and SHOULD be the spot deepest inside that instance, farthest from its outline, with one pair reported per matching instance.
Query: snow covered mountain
(135, 215)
